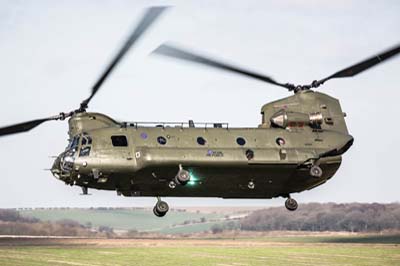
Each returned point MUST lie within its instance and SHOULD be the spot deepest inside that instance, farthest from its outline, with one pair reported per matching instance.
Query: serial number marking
(211, 153)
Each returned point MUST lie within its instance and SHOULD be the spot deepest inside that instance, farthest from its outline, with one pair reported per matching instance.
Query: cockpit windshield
(73, 144)
(68, 157)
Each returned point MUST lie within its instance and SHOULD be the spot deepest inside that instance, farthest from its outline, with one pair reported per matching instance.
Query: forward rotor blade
(23, 127)
(170, 51)
(149, 17)
(363, 65)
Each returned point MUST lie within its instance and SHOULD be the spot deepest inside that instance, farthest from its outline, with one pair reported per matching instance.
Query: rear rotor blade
(23, 127)
(174, 52)
(363, 65)
(149, 17)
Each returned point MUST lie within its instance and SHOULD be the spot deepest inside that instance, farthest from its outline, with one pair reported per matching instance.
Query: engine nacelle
(305, 108)
(285, 119)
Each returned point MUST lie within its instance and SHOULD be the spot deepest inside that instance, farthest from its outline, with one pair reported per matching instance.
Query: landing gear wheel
(156, 213)
(182, 177)
(161, 208)
(291, 204)
(315, 171)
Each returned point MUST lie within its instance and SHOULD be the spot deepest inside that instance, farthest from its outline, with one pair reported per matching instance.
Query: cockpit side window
(86, 140)
(119, 141)
(85, 147)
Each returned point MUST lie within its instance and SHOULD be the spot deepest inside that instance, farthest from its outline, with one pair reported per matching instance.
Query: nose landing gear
(161, 208)
(291, 204)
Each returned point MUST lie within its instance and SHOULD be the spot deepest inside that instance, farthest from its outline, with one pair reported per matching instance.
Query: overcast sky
(51, 52)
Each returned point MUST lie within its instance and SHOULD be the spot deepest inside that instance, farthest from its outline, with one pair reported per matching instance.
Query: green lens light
(193, 178)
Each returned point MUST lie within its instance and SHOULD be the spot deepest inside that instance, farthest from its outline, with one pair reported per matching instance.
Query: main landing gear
(291, 204)
(161, 208)
(182, 177)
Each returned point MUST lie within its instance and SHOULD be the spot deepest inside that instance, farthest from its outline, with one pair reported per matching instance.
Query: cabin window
(162, 140)
(201, 141)
(119, 141)
(240, 141)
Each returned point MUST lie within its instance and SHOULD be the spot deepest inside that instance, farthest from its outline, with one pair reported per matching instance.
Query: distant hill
(132, 222)
(13, 223)
(351, 217)
(132, 219)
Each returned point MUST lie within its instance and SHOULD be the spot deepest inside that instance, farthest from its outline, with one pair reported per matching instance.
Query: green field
(126, 219)
(221, 252)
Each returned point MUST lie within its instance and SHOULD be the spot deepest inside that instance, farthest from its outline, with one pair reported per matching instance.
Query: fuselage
(140, 160)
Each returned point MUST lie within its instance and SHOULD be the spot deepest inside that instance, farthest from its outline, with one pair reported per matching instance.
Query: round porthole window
(280, 141)
(201, 141)
(240, 141)
(162, 140)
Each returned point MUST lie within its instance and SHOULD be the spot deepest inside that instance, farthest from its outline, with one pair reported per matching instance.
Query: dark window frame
(119, 141)
(161, 140)
(241, 141)
(201, 141)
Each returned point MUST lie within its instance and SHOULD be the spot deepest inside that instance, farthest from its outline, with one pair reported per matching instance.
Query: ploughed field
(274, 250)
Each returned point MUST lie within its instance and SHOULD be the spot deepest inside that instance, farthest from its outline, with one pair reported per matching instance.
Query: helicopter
(298, 145)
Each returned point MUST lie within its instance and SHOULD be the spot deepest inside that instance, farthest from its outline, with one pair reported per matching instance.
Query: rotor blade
(168, 50)
(364, 65)
(149, 17)
(23, 127)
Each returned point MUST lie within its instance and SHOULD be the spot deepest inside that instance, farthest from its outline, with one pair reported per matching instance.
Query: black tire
(291, 204)
(316, 171)
(162, 207)
(182, 177)
(156, 213)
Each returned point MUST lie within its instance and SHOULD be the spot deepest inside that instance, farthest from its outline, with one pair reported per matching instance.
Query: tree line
(12, 223)
(352, 217)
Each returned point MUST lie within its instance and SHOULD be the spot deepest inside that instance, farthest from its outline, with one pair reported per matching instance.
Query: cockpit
(64, 164)
(68, 157)
(85, 145)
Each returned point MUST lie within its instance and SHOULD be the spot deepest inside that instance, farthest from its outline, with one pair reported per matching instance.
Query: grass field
(219, 252)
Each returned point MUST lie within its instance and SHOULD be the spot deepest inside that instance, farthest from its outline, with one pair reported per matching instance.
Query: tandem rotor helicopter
(298, 145)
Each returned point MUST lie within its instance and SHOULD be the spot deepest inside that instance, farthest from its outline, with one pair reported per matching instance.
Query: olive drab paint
(261, 162)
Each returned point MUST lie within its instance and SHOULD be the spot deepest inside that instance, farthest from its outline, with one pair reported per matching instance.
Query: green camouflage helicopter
(298, 145)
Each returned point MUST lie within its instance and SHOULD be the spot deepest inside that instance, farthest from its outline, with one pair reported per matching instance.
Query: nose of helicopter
(62, 166)
(56, 168)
